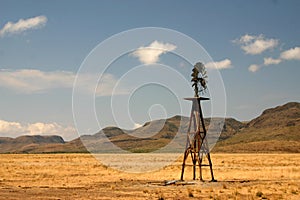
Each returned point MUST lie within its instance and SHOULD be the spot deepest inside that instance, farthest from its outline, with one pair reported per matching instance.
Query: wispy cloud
(257, 44)
(150, 54)
(23, 25)
(254, 68)
(36, 81)
(271, 61)
(223, 64)
(15, 129)
(252, 44)
(32, 80)
(137, 125)
(106, 86)
(291, 54)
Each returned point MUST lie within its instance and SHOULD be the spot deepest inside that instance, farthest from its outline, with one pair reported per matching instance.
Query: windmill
(199, 81)
(196, 144)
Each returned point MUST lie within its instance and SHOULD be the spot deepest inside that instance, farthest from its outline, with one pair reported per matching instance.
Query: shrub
(259, 194)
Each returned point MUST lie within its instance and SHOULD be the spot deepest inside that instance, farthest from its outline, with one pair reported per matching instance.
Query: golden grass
(81, 176)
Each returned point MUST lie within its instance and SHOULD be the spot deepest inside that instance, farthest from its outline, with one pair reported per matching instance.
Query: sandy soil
(81, 176)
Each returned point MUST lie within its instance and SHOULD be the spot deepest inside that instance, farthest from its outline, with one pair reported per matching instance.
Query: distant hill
(27, 143)
(275, 130)
(154, 135)
(280, 116)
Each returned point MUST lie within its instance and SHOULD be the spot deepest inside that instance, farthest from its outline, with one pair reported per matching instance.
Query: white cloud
(291, 54)
(15, 129)
(150, 54)
(271, 61)
(136, 125)
(35, 81)
(252, 44)
(32, 81)
(253, 68)
(246, 38)
(6, 127)
(223, 64)
(23, 25)
(106, 86)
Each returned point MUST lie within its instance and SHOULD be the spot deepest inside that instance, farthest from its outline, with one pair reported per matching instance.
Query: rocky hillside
(280, 116)
(275, 130)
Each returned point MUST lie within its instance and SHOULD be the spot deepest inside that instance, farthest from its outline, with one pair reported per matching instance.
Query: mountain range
(275, 130)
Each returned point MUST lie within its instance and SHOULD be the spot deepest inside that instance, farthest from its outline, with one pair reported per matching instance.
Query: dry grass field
(81, 176)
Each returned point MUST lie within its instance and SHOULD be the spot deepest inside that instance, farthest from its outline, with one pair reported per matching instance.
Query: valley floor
(81, 176)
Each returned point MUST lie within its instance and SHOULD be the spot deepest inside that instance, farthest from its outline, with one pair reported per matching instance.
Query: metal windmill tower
(196, 144)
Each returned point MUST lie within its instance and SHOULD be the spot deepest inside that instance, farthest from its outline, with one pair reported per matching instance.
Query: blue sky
(256, 43)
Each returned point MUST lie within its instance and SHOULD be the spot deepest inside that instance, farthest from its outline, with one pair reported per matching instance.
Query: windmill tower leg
(200, 167)
(186, 153)
(210, 166)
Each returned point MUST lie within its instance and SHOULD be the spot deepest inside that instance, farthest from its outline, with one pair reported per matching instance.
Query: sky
(254, 46)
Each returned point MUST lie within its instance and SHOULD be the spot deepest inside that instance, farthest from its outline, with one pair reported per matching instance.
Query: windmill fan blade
(195, 79)
(199, 76)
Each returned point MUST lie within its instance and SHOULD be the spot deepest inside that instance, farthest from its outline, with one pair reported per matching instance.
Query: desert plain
(81, 176)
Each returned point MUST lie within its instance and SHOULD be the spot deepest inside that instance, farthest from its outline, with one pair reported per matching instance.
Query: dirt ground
(81, 176)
